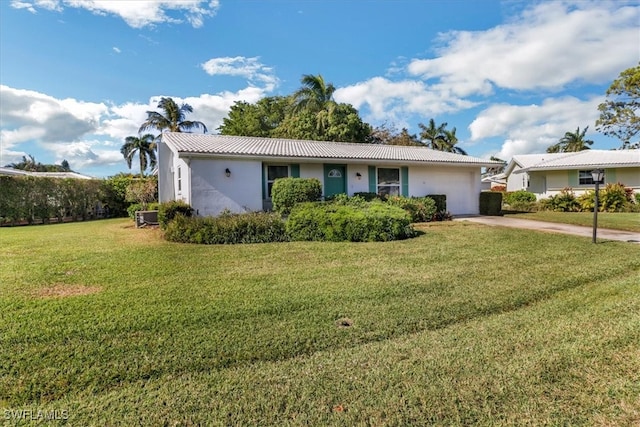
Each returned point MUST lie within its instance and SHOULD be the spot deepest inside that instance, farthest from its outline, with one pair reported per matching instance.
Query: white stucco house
(547, 174)
(215, 172)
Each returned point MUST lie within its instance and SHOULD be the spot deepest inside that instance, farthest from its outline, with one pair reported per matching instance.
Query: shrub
(490, 203)
(167, 211)
(287, 192)
(637, 197)
(614, 198)
(255, 227)
(519, 196)
(131, 210)
(565, 201)
(500, 188)
(368, 196)
(374, 221)
(441, 201)
(420, 209)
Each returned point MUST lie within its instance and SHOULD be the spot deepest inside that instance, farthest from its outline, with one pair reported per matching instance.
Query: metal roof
(189, 144)
(19, 172)
(589, 159)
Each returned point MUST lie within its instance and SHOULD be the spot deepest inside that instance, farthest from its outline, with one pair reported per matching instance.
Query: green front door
(335, 180)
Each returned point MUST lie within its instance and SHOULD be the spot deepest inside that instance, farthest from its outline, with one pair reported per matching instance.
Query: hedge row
(39, 199)
(256, 227)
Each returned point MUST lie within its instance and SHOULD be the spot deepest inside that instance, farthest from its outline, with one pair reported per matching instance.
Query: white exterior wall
(312, 170)
(212, 191)
(461, 185)
(166, 188)
(517, 181)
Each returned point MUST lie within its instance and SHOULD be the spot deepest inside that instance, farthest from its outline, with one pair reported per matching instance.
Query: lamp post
(597, 175)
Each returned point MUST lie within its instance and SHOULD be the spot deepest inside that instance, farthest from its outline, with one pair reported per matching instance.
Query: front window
(585, 178)
(389, 181)
(179, 179)
(273, 173)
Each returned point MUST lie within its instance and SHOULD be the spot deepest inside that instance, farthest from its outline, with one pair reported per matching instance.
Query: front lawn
(463, 325)
(617, 221)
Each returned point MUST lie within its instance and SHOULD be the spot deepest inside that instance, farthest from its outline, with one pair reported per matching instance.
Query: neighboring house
(548, 174)
(493, 181)
(215, 172)
(20, 172)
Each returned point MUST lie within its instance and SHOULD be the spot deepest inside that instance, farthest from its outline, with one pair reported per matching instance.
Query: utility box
(144, 218)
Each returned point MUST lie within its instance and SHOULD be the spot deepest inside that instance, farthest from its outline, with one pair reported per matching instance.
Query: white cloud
(532, 128)
(393, 101)
(549, 46)
(249, 68)
(136, 13)
(116, 49)
(90, 134)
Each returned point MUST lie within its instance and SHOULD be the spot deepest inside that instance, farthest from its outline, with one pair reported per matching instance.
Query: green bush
(131, 210)
(520, 196)
(490, 203)
(565, 201)
(256, 227)
(373, 221)
(420, 209)
(441, 201)
(287, 192)
(614, 198)
(367, 196)
(167, 211)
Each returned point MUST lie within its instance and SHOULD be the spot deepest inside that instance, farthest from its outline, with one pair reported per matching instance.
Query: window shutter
(264, 182)
(295, 171)
(404, 180)
(573, 178)
(610, 176)
(372, 179)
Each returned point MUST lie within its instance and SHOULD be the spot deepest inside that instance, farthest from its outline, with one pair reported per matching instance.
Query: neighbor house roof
(591, 159)
(19, 172)
(188, 144)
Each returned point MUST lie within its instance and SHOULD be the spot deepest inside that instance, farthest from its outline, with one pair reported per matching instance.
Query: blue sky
(77, 76)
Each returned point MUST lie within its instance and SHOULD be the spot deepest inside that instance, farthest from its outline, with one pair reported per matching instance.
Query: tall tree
(495, 170)
(440, 138)
(144, 146)
(571, 142)
(171, 119)
(432, 135)
(259, 119)
(619, 114)
(314, 95)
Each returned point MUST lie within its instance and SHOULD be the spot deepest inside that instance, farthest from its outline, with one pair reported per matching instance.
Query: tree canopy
(571, 141)
(144, 146)
(309, 113)
(619, 114)
(30, 164)
(171, 119)
(438, 137)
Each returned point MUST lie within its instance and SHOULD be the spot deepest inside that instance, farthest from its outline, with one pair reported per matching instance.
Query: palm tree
(144, 146)
(450, 140)
(314, 95)
(27, 164)
(439, 138)
(433, 134)
(495, 170)
(571, 142)
(171, 119)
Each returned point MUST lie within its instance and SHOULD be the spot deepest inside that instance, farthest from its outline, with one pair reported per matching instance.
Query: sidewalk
(577, 230)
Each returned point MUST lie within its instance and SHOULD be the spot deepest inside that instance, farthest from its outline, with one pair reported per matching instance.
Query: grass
(615, 221)
(464, 325)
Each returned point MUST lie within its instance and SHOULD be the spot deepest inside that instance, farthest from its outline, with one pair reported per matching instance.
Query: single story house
(548, 174)
(216, 172)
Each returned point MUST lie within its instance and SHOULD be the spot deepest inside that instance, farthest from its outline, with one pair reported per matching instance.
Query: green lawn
(464, 325)
(615, 221)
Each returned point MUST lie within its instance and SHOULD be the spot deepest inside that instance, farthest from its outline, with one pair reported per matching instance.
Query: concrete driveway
(602, 233)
